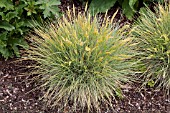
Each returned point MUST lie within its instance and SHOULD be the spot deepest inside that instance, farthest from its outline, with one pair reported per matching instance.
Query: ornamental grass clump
(81, 60)
(152, 31)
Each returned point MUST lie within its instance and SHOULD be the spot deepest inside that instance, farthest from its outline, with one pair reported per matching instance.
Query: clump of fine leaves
(81, 60)
(152, 32)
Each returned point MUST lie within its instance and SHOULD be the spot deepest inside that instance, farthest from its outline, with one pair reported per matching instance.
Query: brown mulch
(14, 96)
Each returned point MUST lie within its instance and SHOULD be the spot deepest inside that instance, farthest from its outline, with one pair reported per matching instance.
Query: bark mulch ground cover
(14, 96)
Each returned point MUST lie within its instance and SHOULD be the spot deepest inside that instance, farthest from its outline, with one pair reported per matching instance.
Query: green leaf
(49, 7)
(127, 10)
(15, 42)
(29, 13)
(7, 4)
(5, 52)
(3, 36)
(20, 24)
(19, 9)
(132, 3)
(19, 42)
(11, 15)
(16, 50)
(97, 6)
(5, 25)
(54, 10)
(2, 14)
(48, 2)
(151, 83)
(31, 8)
(29, 23)
(2, 44)
(2, 3)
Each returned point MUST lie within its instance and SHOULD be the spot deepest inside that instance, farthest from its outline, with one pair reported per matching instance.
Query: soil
(15, 95)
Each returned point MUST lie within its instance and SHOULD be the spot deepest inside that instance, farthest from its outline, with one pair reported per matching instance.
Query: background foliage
(129, 7)
(16, 17)
(16, 20)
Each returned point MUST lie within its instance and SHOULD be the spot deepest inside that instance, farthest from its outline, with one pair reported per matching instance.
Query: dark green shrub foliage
(15, 21)
(129, 7)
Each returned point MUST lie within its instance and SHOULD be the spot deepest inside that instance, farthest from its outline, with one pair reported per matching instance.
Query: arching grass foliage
(152, 31)
(81, 59)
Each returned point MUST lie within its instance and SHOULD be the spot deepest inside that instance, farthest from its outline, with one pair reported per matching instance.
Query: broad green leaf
(31, 8)
(19, 9)
(30, 23)
(7, 4)
(19, 42)
(97, 6)
(5, 25)
(54, 10)
(19, 31)
(20, 24)
(11, 15)
(53, 2)
(40, 2)
(127, 10)
(46, 12)
(16, 50)
(29, 13)
(49, 7)
(2, 44)
(48, 2)
(3, 36)
(2, 14)
(2, 4)
(15, 42)
(132, 3)
(5, 52)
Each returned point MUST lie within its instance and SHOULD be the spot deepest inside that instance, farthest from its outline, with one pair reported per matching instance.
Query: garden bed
(16, 95)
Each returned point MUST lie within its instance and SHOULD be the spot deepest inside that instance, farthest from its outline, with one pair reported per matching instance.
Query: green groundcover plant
(81, 60)
(16, 20)
(152, 31)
